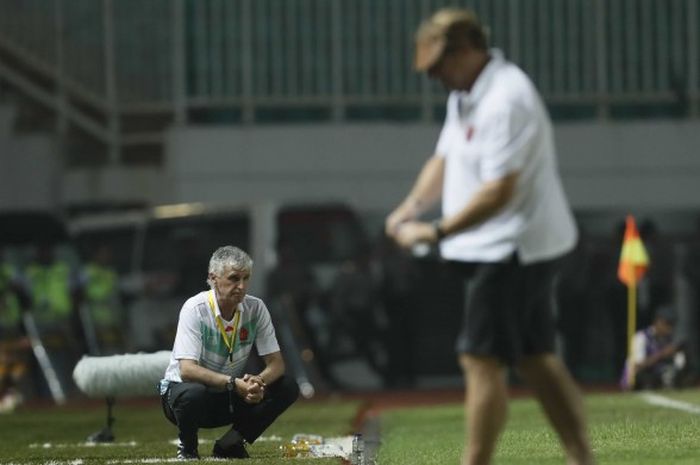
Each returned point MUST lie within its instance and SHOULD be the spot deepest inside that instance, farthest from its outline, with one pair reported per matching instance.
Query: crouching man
(204, 384)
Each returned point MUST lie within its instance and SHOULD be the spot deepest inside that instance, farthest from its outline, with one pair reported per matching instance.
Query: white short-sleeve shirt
(199, 338)
(501, 126)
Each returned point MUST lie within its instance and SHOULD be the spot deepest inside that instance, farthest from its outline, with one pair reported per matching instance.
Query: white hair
(229, 256)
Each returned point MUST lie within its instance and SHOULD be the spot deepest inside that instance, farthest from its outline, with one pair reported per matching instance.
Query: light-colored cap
(434, 34)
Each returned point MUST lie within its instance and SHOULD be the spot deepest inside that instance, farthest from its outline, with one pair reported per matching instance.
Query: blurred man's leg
(486, 406)
(562, 403)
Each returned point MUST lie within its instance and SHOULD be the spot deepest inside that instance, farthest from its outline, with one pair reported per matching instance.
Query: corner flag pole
(634, 262)
(631, 327)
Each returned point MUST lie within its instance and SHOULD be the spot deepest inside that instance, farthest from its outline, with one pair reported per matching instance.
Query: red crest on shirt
(243, 334)
(229, 329)
(470, 132)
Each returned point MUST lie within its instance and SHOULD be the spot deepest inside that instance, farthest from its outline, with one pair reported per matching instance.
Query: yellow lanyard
(230, 342)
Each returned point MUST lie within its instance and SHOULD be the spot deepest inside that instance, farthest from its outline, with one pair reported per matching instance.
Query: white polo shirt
(199, 337)
(501, 126)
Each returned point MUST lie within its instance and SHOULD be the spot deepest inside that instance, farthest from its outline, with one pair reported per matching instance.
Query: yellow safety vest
(9, 304)
(101, 293)
(50, 291)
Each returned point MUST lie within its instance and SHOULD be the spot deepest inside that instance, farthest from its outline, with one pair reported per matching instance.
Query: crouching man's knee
(285, 390)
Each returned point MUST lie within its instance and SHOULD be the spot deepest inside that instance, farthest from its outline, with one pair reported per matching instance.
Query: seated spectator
(658, 360)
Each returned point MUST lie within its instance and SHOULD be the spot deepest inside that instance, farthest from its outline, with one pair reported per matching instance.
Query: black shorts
(508, 310)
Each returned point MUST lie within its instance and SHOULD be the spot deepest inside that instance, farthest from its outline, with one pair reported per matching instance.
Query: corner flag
(634, 259)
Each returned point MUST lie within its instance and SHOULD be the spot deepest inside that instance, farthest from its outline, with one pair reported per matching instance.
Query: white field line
(340, 444)
(662, 401)
(48, 462)
(111, 462)
(272, 438)
(151, 460)
(176, 441)
(156, 460)
(49, 445)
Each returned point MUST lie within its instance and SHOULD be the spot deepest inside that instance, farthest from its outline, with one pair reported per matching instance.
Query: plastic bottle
(295, 449)
(300, 445)
(357, 456)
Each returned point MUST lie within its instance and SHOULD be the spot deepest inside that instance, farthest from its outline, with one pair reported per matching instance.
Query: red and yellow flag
(634, 259)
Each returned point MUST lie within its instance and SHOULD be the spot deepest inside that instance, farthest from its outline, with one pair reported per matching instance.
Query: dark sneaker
(237, 451)
(230, 446)
(187, 454)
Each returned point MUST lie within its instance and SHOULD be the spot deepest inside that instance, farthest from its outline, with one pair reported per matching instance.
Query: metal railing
(146, 57)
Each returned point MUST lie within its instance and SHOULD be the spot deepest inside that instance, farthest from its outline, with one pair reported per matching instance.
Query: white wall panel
(29, 176)
(628, 165)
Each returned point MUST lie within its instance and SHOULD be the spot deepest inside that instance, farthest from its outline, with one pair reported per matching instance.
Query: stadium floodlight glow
(178, 210)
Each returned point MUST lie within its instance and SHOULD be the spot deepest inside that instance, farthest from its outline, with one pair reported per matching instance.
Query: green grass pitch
(625, 430)
(56, 436)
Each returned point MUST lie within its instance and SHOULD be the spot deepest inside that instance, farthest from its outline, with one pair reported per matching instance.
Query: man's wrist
(414, 205)
(439, 230)
(231, 383)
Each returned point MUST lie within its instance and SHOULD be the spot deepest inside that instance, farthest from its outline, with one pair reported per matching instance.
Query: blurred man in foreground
(205, 385)
(505, 224)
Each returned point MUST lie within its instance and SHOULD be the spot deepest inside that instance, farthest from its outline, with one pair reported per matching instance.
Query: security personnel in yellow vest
(49, 285)
(14, 347)
(99, 283)
(9, 303)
